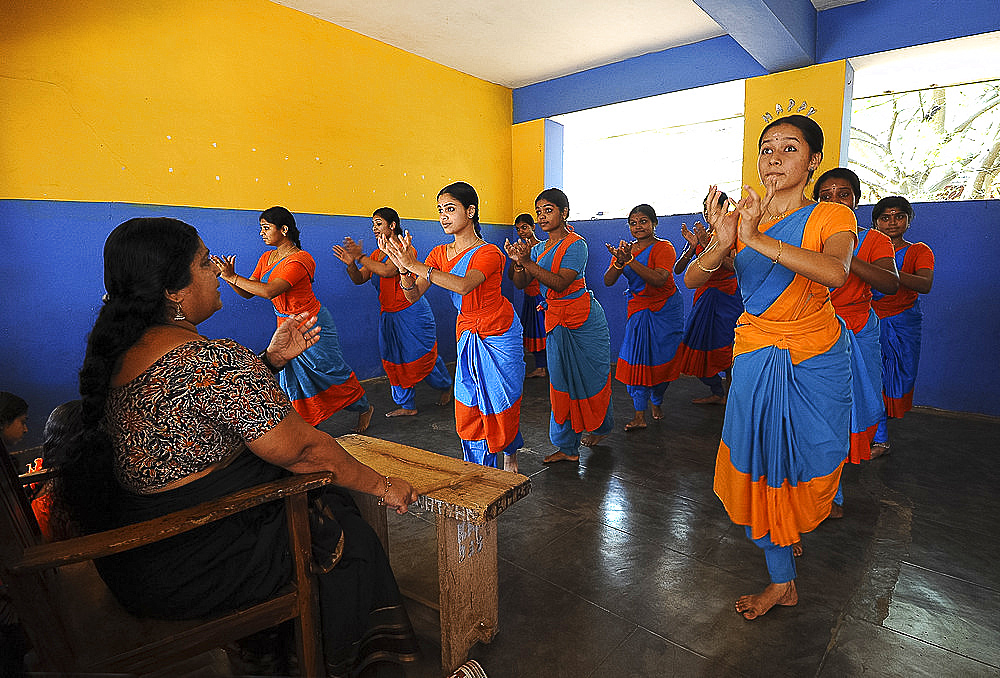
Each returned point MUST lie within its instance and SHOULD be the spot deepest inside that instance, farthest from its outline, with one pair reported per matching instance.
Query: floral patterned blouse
(196, 405)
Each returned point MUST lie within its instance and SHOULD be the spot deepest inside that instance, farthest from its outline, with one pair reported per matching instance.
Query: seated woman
(171, 419)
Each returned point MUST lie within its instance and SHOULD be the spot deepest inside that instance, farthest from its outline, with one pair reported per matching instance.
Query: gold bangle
(778, 255)
(518, 267)
(381, 501)
(620, 268)
(697, 263)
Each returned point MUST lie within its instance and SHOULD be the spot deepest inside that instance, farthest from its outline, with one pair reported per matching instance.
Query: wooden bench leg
(467, 572)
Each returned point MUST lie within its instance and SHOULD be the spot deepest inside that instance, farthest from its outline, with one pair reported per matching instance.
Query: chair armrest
(109, 542)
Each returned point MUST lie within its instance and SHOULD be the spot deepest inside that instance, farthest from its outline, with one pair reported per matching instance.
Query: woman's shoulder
(188, 357)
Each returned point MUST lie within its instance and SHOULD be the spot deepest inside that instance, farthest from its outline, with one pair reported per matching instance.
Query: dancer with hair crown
(785, 436)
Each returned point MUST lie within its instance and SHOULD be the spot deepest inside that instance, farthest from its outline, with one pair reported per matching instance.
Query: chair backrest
(29, 592)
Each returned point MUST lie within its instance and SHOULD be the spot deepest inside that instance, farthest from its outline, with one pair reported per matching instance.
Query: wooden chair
(77, 627)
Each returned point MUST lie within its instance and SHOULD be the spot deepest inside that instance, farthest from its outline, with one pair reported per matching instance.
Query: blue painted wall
(959, 368)
(57, 272)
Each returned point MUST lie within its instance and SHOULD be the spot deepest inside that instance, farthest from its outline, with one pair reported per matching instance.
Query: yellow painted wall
(219, 103)
(528, 165)
(822, 92)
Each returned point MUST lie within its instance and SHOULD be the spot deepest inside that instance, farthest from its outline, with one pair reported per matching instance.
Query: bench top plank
(447, 486)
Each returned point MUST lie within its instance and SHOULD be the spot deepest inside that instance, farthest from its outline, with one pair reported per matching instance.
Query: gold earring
(179, 312)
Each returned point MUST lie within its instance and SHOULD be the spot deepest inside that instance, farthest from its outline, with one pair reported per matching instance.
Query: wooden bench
(466, 500)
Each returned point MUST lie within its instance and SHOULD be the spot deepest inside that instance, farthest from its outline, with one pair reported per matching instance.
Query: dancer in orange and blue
(577, 339)
(706, 350)
(900, 317)
(318, 382)
(655, 314)
(785, 436)
(489, 370)
(532, 312)
(407, 334)
(872, 268)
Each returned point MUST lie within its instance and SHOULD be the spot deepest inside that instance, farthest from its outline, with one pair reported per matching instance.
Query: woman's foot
(510, 462)
(710, 400)
(836, 511)
(559, 456)
(592, 439)
(401, 412)
(657, 411)
(445, 397)
(538, 372)
(364, 419)
(756, 605)
(880, 449)
(638, 422)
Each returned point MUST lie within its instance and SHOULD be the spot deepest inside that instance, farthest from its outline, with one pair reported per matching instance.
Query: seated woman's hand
(400, 495)
(292, 337)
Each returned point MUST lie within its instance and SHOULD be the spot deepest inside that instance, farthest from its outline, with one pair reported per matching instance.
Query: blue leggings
(715, 383)
(438, 379)
(642, 395)
(780, 561)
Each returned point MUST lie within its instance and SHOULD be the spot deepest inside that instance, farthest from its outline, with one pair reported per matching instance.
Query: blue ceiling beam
(779, 34)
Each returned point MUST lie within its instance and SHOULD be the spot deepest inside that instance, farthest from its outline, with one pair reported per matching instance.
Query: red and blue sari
(785, 437)
(579, 349)
(707, 346)
(489, 370)
(900, 328)
(653, 329)
(853, 304)
(318, 382)
(407, 340)
(533, 322)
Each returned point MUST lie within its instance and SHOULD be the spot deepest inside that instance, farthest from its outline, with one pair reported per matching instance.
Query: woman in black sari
(172, 419)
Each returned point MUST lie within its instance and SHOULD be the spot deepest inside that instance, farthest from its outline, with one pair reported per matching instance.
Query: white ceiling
(521, 42)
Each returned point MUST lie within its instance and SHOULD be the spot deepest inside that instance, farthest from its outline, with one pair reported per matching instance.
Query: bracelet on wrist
(778, 255)
(381, 500)
(518, 267)
(404, 287)
(267, 363)
(430, 269)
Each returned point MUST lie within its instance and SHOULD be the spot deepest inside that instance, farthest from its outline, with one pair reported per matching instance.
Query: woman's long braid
(143, 259)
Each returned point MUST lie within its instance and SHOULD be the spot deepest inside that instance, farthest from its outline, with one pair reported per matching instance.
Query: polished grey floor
(626, 564)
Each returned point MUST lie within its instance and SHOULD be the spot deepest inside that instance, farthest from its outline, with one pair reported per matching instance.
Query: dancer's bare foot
(797, 549)
(756, 605)
(444, 398)
(364, 419)
(510, 462)
(592, 439)
(538, 372)
(401, 412)
(836, 511)
(559, 456)
(638, 422)
(710, 400)
(879, 449)
(657, 411)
